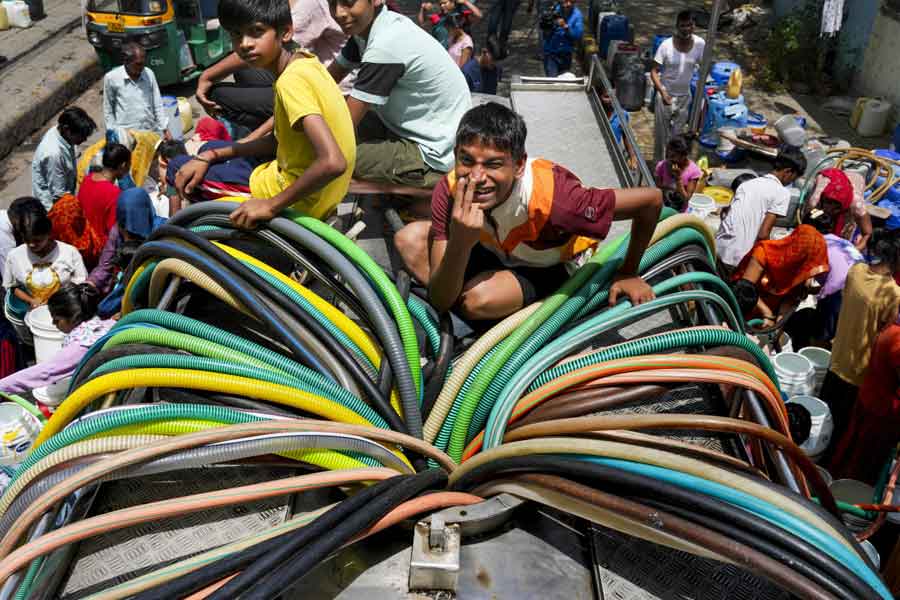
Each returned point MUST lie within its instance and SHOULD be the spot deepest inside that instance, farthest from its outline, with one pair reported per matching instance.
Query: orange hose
(135, 515)
(147, 453)
(653, 368)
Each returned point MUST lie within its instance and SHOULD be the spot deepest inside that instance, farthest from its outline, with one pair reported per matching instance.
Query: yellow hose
(197, 380)
(126, 298)
(353, 331)
(674, 222)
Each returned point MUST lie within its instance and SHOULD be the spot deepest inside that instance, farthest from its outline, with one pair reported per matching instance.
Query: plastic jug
(170, 104)
(874, 118)
(631, 85)
(18, 14)
(735, 84)
(4, 20)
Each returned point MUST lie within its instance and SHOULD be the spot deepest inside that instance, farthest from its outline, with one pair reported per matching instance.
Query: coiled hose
(396, 348)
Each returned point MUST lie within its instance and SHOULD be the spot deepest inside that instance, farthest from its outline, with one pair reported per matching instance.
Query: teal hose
(418, 310)
(486, 388)
(534, 372)
(531, 346)
(213, 334)
(142, 283)
(178, 361)
(24, 590)
(81, 430)
(757, 506)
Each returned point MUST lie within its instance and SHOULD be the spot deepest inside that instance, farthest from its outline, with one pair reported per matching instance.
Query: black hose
(275, 573)
(325, 276)
(672, 494)
(438, 375)
(758, 543)
(382, 322)
(191, 582)
(303, 321)
(233, 284)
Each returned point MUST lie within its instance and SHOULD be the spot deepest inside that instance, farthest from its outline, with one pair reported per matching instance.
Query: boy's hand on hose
(637, 290)
(252, 212)
(190, 176)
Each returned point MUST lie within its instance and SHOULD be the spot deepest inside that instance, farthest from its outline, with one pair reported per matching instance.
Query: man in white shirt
(673, 68)
(756, 205)
(131, 98)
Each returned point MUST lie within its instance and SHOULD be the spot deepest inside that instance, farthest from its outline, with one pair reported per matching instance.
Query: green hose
(383, 284)
(24, 590)
(535, 332)
(535, 343)
(270, 359)
(534, 371)
(418, 310)
(183, 341)
(177, 361)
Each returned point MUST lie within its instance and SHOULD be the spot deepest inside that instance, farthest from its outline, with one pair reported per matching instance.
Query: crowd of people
(324, 92)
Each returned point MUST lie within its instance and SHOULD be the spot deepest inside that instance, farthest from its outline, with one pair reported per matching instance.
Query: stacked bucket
(801, 375)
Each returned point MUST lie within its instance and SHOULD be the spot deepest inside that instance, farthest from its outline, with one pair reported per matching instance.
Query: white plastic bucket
(790, 131)
(18, 430)
(47, 338)
(52, 395)
(821, 360)
(822, 426)
(701, 205)
(795, 373)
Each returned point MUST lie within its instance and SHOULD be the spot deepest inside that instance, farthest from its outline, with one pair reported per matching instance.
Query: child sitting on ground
(73, 308)
(314, 143)
(677, 175)
(40, 266)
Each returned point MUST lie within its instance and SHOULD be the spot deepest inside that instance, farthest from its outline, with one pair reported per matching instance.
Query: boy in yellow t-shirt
(314, 142)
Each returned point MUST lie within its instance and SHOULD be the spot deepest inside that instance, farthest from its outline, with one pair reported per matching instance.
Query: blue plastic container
(613, 27)
(721, 72)
(722, 111)
(897, 139)
(657, 42)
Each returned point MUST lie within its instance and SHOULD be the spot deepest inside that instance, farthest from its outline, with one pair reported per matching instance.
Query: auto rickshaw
(182, 37)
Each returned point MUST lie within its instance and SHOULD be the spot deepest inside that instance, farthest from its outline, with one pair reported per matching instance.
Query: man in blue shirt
(131, 98)
(483, 73)
(563, 29)
(53, 170)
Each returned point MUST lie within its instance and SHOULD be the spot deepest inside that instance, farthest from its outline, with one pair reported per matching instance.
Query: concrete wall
(854, 38)
(880, 73)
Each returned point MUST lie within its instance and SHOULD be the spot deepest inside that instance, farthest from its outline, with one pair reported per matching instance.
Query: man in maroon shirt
(504, 225)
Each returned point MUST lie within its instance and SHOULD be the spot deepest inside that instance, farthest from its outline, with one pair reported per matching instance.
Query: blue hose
(755, 505)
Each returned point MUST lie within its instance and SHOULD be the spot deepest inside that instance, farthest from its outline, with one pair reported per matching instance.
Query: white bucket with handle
(48, 339)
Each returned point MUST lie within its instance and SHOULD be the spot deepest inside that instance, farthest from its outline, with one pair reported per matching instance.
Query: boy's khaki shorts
(382, 156)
